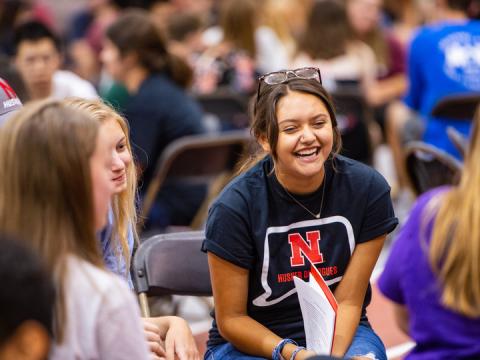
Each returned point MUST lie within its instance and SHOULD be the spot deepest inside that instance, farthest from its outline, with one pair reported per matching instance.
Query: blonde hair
(455, 246)
(46, 189)
(123, 204)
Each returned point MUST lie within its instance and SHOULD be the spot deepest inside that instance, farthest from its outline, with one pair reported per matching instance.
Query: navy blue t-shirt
(254, 224)
(159, 113)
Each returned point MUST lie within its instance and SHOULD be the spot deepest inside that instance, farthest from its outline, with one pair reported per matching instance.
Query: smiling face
(305, 141)
(121, 155)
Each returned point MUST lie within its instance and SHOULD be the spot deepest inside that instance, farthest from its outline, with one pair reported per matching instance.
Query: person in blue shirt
(442, 61)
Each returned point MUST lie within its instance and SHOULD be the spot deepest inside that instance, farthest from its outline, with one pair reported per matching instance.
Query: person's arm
(402, 317)
(385, 90)
(230, 291)
(177, 337)
(350, 293)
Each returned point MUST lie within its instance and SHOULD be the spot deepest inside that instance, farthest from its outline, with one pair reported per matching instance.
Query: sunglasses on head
(280, 77)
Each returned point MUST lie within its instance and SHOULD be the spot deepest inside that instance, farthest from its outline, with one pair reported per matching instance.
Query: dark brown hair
(135, 33)
(327, 32)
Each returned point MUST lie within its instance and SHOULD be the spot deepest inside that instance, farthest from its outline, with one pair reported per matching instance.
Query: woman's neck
(301, 186)
(134, 78)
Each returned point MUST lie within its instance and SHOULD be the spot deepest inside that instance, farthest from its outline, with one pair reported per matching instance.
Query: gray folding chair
(354, 116)
(458, 140)
(428, 167)
(170, 264)
(210, 159)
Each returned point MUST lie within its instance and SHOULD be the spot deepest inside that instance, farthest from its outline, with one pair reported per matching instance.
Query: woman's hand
(179, 341)
(155, 343)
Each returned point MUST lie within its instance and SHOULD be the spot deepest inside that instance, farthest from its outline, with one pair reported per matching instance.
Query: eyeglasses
(280, 77)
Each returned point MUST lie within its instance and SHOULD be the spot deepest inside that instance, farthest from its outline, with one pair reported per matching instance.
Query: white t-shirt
(358, 63)
(272, 54)
(67, 84)
(103, 318)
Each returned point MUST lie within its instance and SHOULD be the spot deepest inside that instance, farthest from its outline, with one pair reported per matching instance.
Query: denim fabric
(365, 343)
(227, 352)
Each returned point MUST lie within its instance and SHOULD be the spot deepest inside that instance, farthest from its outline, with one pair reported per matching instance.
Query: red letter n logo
(310, 248)
(7, 90)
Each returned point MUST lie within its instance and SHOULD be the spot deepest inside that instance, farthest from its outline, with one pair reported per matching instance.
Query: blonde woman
(117, 238)
(55, 192)
(433, 272)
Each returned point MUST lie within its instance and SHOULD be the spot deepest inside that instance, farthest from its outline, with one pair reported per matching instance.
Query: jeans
(365, 343)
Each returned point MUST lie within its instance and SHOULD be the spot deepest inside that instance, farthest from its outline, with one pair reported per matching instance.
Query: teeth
(306, 152)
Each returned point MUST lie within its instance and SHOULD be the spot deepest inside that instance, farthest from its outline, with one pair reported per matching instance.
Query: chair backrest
(197, 158)
(458, 140)
(230, 109)
(457, 106)
(353, 115)
(171, 264)
(428, 167)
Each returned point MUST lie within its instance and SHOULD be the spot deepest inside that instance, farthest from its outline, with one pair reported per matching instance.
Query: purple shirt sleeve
(405, 250)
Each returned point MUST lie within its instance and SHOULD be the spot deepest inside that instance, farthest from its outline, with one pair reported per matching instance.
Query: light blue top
(112, 256)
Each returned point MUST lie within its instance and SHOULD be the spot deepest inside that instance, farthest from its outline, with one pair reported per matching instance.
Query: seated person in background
(26, 304)
(432, 274)
(365, 23)
(442, 61)
(328, 44)
(56, 173)
(234, 50)
(38, 60)
(185, 36)
(159, 110)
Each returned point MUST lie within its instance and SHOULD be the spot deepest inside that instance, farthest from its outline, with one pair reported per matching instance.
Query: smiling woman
(299, 191)
(118, 237)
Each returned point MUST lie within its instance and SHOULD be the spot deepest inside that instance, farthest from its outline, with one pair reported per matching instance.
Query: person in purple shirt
(433, 272)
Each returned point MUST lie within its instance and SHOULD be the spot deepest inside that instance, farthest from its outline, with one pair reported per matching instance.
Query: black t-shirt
(254, 224)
